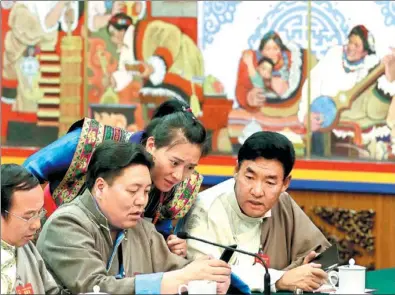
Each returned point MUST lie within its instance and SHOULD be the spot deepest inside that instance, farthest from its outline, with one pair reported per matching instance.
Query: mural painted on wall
(42, 43)
(135, 63)
(239, 77)
(352, 110)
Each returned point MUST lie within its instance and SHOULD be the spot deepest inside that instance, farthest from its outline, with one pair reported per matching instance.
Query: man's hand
(177, 246)
(208, 269)
(255, 97)
(310, 257)
(308, 277)
(389, 64)
(222, 287)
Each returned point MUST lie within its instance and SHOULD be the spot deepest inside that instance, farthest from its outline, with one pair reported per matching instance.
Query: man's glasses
(39, 215)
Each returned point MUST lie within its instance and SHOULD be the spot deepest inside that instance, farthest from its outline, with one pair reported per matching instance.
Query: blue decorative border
(290, 18)
(215, 15)
(315, 185)
(388, 11)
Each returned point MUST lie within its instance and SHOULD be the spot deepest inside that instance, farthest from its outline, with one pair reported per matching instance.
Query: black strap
(120, 260)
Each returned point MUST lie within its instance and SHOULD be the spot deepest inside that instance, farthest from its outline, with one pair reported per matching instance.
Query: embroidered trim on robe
(92, 134)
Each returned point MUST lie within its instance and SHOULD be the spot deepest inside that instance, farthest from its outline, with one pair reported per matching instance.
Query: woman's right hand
(207, 268)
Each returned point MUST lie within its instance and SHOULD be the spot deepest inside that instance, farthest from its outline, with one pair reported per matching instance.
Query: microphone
(266, 279)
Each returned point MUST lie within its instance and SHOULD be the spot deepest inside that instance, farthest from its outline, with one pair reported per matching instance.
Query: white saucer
(367, 291)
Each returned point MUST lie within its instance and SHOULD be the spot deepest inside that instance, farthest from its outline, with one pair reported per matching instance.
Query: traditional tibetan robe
(285, 234)
(23, 271)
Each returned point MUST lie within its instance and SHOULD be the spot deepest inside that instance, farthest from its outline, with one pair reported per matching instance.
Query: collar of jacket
(95, 213)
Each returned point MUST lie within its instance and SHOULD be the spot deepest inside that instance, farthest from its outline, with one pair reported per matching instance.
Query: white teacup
(199, 287)
(351, 279)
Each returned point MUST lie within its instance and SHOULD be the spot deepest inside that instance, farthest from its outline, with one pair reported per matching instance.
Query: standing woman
(174, 137)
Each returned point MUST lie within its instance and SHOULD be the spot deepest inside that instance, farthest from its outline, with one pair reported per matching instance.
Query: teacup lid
(351, 265)
(96, 290)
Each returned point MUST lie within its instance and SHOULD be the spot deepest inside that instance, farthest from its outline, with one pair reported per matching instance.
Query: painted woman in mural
(273, 110)
(33, 24)
(351, 97)
(156, 51)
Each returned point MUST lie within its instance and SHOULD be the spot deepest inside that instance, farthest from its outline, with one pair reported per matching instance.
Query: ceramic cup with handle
(351, 278)
(199, 287)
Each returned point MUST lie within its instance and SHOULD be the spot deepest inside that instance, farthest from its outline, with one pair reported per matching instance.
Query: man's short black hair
(14, 178)
(111, 157)
(271, 146)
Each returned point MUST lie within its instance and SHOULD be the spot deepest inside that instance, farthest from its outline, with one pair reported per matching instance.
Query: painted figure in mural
(33, 24)
(275, 110)
(351, 95)
(156, 51)
(100, 12)
(261, 75)
(174, 137)
(28, 77)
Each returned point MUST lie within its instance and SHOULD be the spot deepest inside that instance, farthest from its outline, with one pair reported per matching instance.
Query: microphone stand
(266, 278)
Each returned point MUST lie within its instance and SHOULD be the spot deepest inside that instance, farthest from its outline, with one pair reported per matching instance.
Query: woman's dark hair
(120, 21)
(271, 146)
(362, 32)
(173, 119)
(111, 158)
(14, 178)
(271, 35)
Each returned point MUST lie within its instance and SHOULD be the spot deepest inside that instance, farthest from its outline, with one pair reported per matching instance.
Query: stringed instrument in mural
(331, 108)
(109, 96)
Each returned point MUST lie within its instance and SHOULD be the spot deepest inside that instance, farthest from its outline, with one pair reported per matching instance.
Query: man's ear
(237, 168)
(150, 145)
(98, 187)
(286, 183)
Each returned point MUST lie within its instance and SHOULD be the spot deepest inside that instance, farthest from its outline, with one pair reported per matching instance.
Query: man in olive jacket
(100, 238)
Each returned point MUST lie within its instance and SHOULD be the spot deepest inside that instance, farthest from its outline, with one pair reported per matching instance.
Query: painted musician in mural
(157, 51)
(32, 24)
(352, 93)
(275, 107)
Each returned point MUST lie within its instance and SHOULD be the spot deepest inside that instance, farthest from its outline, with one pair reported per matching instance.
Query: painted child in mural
(174, 137)
(33, 23)
(276, 110)
(167, 58)
(351, 76)
(261, 75)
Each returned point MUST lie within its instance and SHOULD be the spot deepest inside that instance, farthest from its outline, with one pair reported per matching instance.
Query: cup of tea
(351, 278)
